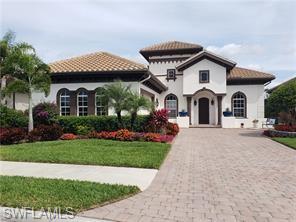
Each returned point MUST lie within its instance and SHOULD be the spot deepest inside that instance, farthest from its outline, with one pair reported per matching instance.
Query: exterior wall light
(212, 102)
(195, 103)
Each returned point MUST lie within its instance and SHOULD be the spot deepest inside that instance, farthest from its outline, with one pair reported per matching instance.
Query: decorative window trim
(85, 113)
(104, 107)
(245, 104)
(165, 104)
(200, 76)
(65, 93)
(171, 77)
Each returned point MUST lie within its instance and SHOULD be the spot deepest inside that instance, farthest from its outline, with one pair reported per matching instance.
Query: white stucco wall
(255, 103)
(217, 81)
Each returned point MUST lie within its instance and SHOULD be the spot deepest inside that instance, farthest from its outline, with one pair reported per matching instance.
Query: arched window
(239, 104)
(101, 102)
(82, 103)
(171, 104)
(64, 102)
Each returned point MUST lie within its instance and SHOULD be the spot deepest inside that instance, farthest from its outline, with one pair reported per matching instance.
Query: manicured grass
(40, 193)
(291, 142)
(89, 151)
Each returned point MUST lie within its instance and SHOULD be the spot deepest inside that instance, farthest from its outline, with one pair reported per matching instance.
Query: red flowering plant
(166, 138)
(287, 128)
(106, 135)
(68, 136)
(124, 135)
(158, 120)
(152, 137)
(172, 129)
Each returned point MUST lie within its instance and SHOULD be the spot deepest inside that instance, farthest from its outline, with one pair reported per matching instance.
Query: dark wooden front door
(203, 111)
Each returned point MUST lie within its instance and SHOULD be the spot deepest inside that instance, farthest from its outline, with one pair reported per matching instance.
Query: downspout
(144, 80)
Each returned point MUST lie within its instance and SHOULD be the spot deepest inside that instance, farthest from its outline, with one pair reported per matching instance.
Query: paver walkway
(103, 174)
(216, 175)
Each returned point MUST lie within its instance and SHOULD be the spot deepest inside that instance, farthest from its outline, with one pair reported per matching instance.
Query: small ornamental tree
(118, 96)
(283, 99)
(28, 72)
(135, 103)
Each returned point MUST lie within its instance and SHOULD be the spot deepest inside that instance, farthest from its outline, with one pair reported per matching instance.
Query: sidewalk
(102, 174)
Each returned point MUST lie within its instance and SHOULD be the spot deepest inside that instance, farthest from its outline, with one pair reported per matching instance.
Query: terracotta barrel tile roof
(243, 73)
(96, 62)
(171, 45)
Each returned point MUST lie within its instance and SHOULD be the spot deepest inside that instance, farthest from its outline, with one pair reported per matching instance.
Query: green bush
(100, 123)
(12, 118)
(83, 130)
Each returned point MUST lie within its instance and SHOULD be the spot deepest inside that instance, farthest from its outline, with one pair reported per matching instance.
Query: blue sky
(256, 34)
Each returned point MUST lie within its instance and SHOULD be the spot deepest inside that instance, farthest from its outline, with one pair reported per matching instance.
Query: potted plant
(227, 112)
(255, 123)
(183, 113)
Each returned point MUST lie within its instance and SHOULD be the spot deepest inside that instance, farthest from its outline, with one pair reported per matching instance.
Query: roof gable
(240, 75)
(169, 48)
(96, 62)
(206, 55)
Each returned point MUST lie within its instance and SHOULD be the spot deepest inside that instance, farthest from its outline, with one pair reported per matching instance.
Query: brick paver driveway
(216, 175)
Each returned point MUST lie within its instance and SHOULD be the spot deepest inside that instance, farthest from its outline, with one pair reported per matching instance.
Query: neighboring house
(181, 77)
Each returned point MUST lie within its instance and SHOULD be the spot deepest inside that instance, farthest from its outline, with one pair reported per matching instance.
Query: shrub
(166, 138)
(288, 128)
(158, 120)
(12, 135)
(106, 135)
(152, 137)
(45, 113)
(68, 136)
(124, 135)
(12, 118)
(172, 129)
(83, 130)
(100, 123)
(46, 133)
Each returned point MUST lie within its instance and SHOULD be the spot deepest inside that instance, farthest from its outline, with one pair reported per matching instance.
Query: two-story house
(198, 87)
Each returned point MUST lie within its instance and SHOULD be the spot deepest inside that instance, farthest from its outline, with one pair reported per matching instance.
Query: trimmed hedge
(101, 123)
(12, 118)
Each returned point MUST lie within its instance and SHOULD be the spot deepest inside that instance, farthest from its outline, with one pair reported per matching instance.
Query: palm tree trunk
(119, 120)
(133, 119)
(31, 123)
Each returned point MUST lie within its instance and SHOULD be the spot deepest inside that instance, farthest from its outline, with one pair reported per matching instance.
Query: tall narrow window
(171, 104)
(204, 76)
(101, 102)
(82, 103)
(65, 102)
(239, 105)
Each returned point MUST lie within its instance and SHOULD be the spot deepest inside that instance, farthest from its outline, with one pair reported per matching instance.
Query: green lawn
(291, 142)
(89, 151)
(40, 193)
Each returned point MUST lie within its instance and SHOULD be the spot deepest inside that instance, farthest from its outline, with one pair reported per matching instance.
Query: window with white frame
(65, 102)
(171, 104)
(82, 103)
(101, 103)
(239, 105)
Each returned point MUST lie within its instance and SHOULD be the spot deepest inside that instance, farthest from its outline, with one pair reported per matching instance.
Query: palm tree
(29, 74)
(135, 103)
(117, 95)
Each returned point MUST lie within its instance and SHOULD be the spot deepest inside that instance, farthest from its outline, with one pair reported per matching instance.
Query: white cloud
(234, 49)
(254, 66)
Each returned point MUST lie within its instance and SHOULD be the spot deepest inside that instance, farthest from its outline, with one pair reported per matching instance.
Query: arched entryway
(203, 111)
